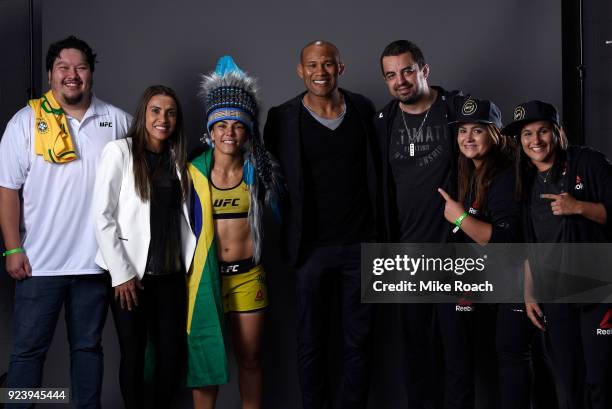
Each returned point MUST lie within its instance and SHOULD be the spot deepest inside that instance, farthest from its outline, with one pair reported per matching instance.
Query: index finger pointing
(445, 195)
(549, 196)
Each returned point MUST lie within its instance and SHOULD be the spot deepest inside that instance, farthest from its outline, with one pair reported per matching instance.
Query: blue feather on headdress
(226, 65)
(229, 94)
(248, 172)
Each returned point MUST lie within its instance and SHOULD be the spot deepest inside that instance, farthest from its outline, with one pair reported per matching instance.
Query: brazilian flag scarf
(207, 360)
(52, 137)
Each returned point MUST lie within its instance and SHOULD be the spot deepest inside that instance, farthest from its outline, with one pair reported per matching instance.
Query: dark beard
(73, 100)
(413, 99)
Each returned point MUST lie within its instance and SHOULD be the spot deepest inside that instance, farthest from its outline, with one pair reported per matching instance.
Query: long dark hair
(525, 170)
(176, 143)
(496, 160)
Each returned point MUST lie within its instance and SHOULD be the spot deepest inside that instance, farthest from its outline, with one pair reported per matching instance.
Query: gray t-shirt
(328, 123)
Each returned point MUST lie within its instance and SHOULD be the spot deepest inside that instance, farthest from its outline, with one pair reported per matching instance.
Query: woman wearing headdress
(145, 241)
(232, 179)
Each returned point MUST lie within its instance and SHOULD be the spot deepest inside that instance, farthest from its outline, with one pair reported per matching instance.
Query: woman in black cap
(567, 198)
(486, 183)
(485, 177)
(487, 212)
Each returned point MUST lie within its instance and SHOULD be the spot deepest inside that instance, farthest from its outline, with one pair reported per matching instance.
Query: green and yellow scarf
(52, 137)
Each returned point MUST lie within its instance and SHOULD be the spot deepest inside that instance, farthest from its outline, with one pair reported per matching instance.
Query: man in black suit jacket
(325, 144)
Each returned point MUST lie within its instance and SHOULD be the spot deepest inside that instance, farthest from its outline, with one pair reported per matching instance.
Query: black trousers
(457, 334)
(159, 322)
(422, 325)
(581, 352)
(520, 354)
(330, 272)
(420, 352)
(524, 369)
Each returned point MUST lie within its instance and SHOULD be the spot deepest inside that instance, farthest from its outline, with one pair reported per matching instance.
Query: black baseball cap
(528, 112)
(478, 111)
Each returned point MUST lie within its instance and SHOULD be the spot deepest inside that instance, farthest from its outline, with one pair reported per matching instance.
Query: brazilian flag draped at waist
(207, 359)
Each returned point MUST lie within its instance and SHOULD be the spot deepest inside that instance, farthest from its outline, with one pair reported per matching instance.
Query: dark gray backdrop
(507, 51)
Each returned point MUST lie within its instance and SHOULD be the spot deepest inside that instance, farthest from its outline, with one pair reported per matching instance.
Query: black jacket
(383, 124)
(589, 178)
(282, 139)
(502, 210)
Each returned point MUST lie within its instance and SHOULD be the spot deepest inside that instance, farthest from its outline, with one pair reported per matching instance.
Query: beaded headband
(229, 94)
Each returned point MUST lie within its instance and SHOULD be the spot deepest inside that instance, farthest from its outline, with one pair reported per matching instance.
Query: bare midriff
(233, 239)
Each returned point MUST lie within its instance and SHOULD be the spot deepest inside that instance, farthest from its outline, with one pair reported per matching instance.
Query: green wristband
(13, 251)
(460, 219)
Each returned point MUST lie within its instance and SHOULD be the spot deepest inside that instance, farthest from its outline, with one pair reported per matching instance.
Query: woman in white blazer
(146, 243)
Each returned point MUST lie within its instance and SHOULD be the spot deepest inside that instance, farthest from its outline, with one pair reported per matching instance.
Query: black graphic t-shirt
(421, 161)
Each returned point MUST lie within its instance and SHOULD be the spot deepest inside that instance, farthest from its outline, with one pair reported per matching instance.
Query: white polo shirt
(59, 236)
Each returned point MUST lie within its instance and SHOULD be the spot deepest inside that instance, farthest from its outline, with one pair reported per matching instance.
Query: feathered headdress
(230, 93)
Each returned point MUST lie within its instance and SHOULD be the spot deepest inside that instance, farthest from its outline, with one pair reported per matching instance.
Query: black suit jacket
(283, 139)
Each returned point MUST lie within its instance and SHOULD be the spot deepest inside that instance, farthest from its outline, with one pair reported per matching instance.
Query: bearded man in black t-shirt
(419, 155)
(418, 147)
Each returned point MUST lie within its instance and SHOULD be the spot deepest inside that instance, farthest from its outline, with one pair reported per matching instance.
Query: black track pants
(524, 368)
(580, 342)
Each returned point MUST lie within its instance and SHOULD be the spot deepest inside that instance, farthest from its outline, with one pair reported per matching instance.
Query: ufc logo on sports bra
(226, 202)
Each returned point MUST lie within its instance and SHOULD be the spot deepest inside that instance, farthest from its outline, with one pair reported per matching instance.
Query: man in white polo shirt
(50, 150)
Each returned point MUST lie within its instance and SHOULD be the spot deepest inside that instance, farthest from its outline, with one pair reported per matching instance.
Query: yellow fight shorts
(243, 286)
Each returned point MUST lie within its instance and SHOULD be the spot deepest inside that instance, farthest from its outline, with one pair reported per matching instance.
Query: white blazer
(122, 219)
